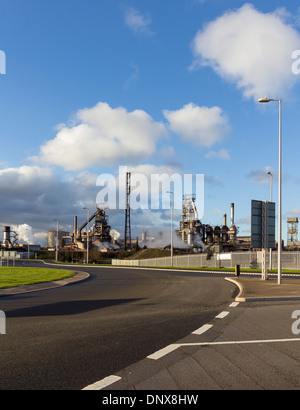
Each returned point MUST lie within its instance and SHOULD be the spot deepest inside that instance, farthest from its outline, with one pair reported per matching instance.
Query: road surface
(68, 338)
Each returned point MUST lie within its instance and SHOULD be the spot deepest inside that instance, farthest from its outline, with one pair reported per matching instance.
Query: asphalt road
(68, 338)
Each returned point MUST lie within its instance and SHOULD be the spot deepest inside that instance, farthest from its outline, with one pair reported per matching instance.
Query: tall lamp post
(279, 263)
(172, 208)
(87, 233)
(56, 247)
(28, 247)
(271, 188)
(271, 184)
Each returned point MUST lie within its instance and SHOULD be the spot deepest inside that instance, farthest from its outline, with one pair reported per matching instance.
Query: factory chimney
(232, 230)
(6, 237)
(75, 227)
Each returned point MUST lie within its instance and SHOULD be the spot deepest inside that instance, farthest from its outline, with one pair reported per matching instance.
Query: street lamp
(172, 207)
(271, 184)
(56, 247)
(87, 233)
(28, 247)
(267, 100)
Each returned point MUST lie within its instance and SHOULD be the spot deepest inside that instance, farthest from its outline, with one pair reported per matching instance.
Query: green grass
(14, 277)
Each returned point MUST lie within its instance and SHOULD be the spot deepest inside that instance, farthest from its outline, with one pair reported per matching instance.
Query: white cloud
(251, 49)
(202, 126)
(105, 136)
(26, 180)
(222, 154)
(34, 196)
(148, 182)
(138, 22)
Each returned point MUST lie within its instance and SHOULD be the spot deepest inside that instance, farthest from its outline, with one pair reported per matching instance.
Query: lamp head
(264, 100)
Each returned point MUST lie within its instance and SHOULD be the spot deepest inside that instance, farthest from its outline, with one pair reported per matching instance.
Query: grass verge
(14, 277)
(216, 269)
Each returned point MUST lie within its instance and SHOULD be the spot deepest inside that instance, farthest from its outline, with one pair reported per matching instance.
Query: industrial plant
(202, 237)
(94, 233)
(98, 235)
(192, 235)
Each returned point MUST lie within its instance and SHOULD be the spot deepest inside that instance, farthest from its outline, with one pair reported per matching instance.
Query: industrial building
(95, 232)
(202, 237)
(53, 236)
(292, 233)
(9, 242)
(191, 230)
(9, 238)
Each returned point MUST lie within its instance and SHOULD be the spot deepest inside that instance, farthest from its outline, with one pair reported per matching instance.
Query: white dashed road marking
(171, 348)
(103, 383)
(222, 315)
(202, 329)
(160, 353)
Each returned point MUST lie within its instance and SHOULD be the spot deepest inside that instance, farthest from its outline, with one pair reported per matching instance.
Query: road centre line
(202, 329)
(222, 315)
(163, 352)
(206, 327)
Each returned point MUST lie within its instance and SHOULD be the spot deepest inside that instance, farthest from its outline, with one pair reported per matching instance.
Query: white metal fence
(290, 260)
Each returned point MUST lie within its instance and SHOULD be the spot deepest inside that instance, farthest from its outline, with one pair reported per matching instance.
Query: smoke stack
(232, 214)
(232, 230)
(6, 237)
(224, 219)
(75, 227)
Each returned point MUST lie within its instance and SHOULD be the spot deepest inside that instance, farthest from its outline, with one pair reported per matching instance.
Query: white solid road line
(238, 342)
(202, 330)
(163, 352)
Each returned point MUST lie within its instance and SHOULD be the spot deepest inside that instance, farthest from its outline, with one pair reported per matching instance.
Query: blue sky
(158, 86)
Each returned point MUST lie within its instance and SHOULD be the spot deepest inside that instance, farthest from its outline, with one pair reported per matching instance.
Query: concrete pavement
(256, 289)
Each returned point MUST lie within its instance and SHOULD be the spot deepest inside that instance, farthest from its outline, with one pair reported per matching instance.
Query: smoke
(163, 239)
(105, 245)
(115, 234)
(198, 241)
(41, 238)
(24, 232)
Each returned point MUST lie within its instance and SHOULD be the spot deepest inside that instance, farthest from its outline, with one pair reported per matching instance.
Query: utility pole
(87, 234)
(127, 236)
(56, 247)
